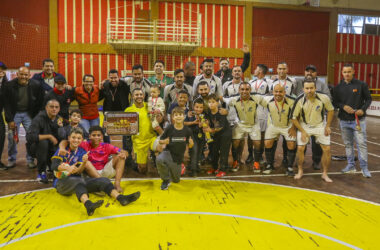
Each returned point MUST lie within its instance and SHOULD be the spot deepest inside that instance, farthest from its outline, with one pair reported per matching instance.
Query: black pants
(220, 150)
(82, 186)
(43, 151)
(2, 134)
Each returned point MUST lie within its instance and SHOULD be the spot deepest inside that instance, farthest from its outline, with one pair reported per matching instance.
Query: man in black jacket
(42, 137)
(352, 97)
(225, 73)
(23, 98)
(3, 80)
(62, 95)
(46, 77)
(115, 92)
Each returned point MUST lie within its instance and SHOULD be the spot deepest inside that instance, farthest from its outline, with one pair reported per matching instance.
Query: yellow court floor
(194, 214)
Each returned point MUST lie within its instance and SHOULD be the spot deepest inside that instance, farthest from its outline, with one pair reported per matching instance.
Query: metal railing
(128, 30)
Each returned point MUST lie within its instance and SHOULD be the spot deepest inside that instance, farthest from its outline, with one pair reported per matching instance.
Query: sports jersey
(245, 110)
(99, 156)
(171, 92)
(72, 158)
(146, 132)
(214, 83)
(289, 84)
(231, 89)
(312, 112)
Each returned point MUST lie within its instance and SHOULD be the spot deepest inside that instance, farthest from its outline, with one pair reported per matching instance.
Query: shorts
(240, 131)
(108, 171)
(263, 125)
(141, 150)
(274, 132)
(317, 131)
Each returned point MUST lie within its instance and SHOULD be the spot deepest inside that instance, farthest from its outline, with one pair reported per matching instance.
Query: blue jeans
(350, 135)
(24, 119)
(89, 123)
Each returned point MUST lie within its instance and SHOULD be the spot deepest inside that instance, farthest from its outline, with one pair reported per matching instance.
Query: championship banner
(121, 123)
(374, 109)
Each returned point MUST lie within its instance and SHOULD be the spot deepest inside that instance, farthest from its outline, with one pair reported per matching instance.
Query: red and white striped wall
(75, 65)
(357, 44)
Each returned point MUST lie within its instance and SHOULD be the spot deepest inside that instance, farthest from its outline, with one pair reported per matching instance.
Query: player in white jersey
(215, 84)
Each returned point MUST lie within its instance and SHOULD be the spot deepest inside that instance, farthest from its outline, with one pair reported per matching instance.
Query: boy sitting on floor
(68, 169)
(175, 136)
(99, 153)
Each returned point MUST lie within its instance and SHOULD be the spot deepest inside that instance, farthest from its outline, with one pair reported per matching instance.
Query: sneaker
(366, 173)
(249, 159)
(348, 169)
(31, 165)
(256, 167)
(316, 166)
(183, 169)
(211, 171)
(3, 167)
(42, 178)
(221, 174)
(126, 199)
(55, 182)
(290, 172)
(235, 166)
(11, 164)
(165, 185)
(268, 169)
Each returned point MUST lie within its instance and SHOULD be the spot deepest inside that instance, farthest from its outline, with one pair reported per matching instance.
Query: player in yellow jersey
(144, 140)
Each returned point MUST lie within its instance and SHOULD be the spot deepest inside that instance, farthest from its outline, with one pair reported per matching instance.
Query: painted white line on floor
(340, 144)
(184, 213)
(207, 177)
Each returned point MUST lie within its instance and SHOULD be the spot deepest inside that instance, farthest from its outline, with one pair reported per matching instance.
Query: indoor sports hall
(243, 209)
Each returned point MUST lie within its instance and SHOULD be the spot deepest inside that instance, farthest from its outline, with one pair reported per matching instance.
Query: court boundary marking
(182, 213)
(214, 179)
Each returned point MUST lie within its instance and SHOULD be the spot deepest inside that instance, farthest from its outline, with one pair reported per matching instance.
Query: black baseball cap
(311, 67)
(59, 79)
(2, 65)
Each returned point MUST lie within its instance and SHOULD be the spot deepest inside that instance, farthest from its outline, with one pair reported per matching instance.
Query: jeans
(89, 123)
(350, 135)
(24, 119)
(167, 168)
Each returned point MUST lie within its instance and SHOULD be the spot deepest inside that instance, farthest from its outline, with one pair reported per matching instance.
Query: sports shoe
(42, 178)
(235, 166)
(249, 159)
(165, 185)
(366, 173)
(348, 169)
(11, 164)
(268, 169)
(256, 167)
(290, 172)
(316, 166)
(126, 199)
(221, 174)
(211, 171)
(31, 165)
(55, 182)
(3, 167)
(183, 169)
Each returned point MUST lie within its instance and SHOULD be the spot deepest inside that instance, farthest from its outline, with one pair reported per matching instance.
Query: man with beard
(171, 91)
(213, 81)
(308, 116)
(115, 92)
(311, 72)
(189, 70)
(225, 73)
(46, 77)
(160, 79)
(144, 140)
(23, 99)
(42, 137)
(137, 81)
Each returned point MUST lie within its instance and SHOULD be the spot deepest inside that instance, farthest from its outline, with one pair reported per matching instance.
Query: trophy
(204, 125)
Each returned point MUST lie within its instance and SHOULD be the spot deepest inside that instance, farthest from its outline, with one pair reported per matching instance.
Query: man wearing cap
(311, 72)
(46, 77)
(23, 98)
(3, 80)
(62, 95)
